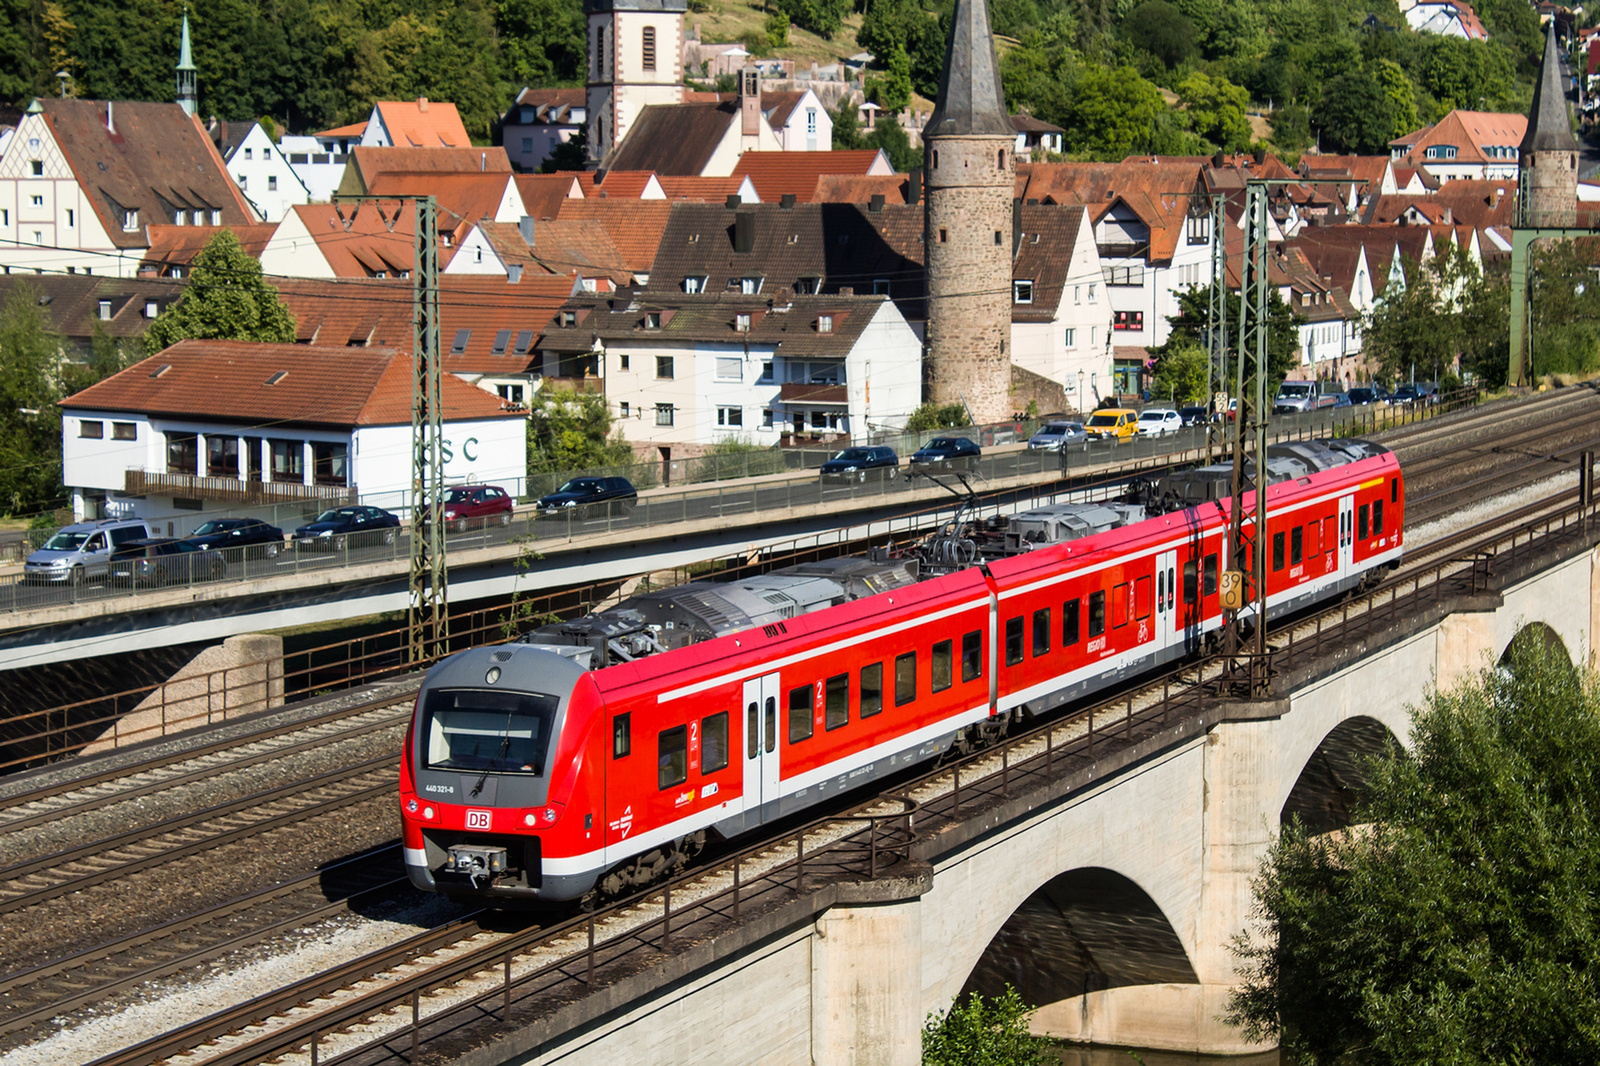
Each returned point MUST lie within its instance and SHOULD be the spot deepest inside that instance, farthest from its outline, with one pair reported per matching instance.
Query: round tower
(1547, 162)
(970, 180)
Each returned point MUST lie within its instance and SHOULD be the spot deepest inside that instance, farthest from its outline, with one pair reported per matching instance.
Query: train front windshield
(477, 730)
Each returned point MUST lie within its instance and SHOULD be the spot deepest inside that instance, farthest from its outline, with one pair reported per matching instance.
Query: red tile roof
(553, 98)
(423, 123)
(860, 188)
(176, 246)
(542, 193)
(635, 226)
(560, 246)
(464, 199)
(1469, 132)
(1153, 188)
(355, 129)
(710, 190)
(776, 173)
(368, 164)
(228, 381)
(614, 184)
(363, 240)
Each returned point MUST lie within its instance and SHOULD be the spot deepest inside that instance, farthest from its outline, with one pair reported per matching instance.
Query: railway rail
(494, 978)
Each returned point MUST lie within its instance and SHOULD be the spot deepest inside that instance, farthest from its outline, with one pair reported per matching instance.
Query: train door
(1347, 535)
(760, 745)
(1169, 627)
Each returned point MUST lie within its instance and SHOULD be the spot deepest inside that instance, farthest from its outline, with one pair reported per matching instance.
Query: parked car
(858, 464)
(1113, 423)
(250, 536)
(1159, 422)
(1340, 399)
(1054, 436)
(944, 453)
(342, 527)
(82, 551)
(1414, 393)
(583, 495)
(1195, 415)
(161, 561)
(1368, 395)
(477, 506)
(1298, 397)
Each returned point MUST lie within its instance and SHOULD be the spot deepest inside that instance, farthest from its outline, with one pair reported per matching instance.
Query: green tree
(226, 299)
(938, 416)
(983, 1032)
(570, 430)
(1040, 73)
(846, 126)
(30, 421)
(1113, 113)
(1181, 375)
(889, 135)
(1283, 333)
(570, 154)
(822, 17)
(1461, 923)
(777, 28)
(1215, 109)
(1160, 30)
(891, 90)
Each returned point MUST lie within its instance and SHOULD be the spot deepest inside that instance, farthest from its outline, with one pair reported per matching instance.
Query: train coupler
(475, 862)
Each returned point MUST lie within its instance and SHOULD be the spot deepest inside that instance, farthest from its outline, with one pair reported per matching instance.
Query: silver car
(1053, 436)
(82, 551)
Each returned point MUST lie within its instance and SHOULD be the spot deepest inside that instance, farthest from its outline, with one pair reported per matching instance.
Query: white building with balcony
(208, 426)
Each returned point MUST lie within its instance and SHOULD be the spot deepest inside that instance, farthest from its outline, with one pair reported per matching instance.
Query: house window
(741, 322)
(105, 310)
(38, 236)
(222, 456)
(729, 368)
(527, 145)
(244, 183)
(880, 286)
(1092, 288)
(216, 217)
(502, 339)
(288, 460)
(1072, 337)
(569, 318)
(652, 320)
(459, 345)
(91, 430)
(623, 409)
(266, 153)
(766, 418)
(811, 121)
(5, 217)
(130, 220)
(624, 361)
(272, 183)
(37, 201)
(664, 413)
(124, 431)
(151, 309)
(694, 283)
(330, 462)
(1123, 275)
(730, 416)
(944, 234)
(664, 368)
(1127, 320)
(648, 57)
(247, 153)
(824, 323)
(1022, 292)
(766, 370)
(38, 168)
(72, 217)
(183, 453)
(750, 286)
(510, 393)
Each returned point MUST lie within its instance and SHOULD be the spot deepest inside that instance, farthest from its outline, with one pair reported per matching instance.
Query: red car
(476, 506)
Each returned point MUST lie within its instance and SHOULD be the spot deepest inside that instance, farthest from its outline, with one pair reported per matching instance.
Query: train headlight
(411, 805)
(549, 814)
(528, 819)
(427, 812)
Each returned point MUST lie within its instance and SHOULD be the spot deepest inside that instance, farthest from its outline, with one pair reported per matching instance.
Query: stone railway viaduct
(1111, 898)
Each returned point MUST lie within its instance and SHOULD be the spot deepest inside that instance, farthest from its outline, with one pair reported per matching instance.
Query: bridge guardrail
(716, 501)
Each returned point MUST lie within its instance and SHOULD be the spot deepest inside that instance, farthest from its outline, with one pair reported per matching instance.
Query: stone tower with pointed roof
(970, 183)
(1547, 163)
(188, 98)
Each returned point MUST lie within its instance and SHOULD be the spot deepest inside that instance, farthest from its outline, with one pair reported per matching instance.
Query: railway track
(430, 978)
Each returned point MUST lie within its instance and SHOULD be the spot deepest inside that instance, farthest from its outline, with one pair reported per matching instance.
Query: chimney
(786, 201)
(483, 161)
(600, 177)
(750, 101)
(914, 186)
(1261, 156)
(732, 202)
(875, 205)
(847, 290)
(1219, 159)
(422, 104)
(744, 231)
(1016, 225)
(514, 273)
(110, 122)
(525, 227)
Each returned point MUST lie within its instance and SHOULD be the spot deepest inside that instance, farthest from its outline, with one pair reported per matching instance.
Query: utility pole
(1217, 318)
(428, 615)
(1249, 544)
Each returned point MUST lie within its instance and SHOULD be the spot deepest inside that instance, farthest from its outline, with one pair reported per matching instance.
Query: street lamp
(1081, 408)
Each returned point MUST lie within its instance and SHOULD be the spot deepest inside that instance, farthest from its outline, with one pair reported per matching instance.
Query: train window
(752, 731)
(905, 678)
(800, 725)
(972, 656)
(1329, 536)
(1297, 545)
(672, 756)
(837, 701)
(1191, 582)
(714, 743)
(1277, 551)
(1394, 490)
(1141, 597)
(943, 666)
(1097, 613)
(1211, 571)
(871, 689)
(1013, 640)
(770, 725)
(1362, 514)
(1312, 550)
(621, 736)
(1041, 631)
(1377, 517)
(474, 731)
(1119, 605)
(1069, 623)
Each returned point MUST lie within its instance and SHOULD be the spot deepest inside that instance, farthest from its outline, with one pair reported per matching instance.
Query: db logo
(624, 823)
(477, 819)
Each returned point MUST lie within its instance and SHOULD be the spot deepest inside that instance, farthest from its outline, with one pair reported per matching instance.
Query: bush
(980, 1032)
(938, 416)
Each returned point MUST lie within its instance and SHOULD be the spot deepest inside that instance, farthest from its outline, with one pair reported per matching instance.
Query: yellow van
(1113, 423)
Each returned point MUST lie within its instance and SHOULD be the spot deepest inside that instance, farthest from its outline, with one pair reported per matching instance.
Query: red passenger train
(603, 752)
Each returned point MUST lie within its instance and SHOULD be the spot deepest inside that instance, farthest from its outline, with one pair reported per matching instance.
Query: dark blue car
(585, 495)
(242, 536)
(342, 527)
(859, 463)
(945, 453)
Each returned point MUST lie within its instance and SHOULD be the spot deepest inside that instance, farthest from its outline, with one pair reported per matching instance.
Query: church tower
(635, 60)
(187, 96)
(1547, 163)
(970, 183)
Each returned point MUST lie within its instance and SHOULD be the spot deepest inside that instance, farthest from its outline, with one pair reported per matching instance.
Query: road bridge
(1108, 886)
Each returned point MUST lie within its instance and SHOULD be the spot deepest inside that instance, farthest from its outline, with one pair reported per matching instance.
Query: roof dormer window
(652, 320)
(130, 221)
(824, 323)
(1022, 291)
(694, 283)
(750, 286)
(741, 322)
(569, 318)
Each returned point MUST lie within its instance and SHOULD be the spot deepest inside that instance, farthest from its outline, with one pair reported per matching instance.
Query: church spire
(1549, 129)
(1547, 163)
(970, 97)
(187, 98)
